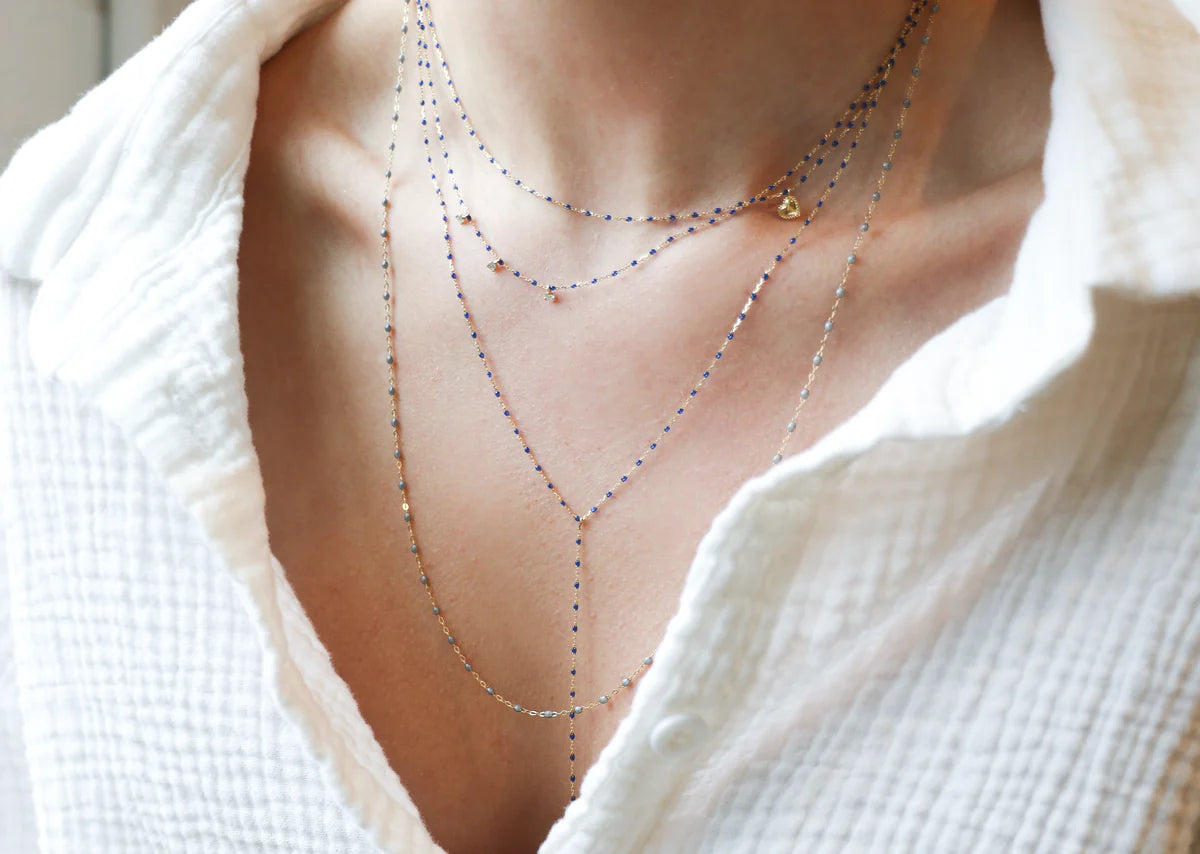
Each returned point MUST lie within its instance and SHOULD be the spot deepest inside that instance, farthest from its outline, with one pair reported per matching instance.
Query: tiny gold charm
(463, 219)
(496, 266)
(789, 208)
(549, 296)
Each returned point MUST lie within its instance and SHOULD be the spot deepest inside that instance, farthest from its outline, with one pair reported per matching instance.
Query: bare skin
(592, 377)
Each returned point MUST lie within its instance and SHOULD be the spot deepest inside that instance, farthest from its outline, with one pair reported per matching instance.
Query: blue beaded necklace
(768, 193)
(579, 517)
(696, 222)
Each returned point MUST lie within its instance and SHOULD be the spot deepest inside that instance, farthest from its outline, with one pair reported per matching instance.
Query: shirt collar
(125, 215)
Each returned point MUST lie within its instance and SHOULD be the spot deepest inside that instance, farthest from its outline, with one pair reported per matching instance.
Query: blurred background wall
(52, 51)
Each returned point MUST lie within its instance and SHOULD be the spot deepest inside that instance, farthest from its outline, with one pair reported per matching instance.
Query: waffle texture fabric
(968, 619)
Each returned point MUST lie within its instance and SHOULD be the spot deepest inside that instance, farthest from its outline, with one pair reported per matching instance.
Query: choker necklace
(813, 158)
(787, 209)
(573, 707)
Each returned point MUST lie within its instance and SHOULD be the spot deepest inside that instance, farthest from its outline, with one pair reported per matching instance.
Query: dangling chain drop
(579, 517)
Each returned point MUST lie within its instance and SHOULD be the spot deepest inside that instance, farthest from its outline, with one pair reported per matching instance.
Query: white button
(679, 734)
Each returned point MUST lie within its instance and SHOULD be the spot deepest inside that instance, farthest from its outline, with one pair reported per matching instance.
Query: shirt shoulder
(130, 161)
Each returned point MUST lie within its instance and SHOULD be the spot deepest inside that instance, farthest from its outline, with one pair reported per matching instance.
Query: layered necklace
(835, 151)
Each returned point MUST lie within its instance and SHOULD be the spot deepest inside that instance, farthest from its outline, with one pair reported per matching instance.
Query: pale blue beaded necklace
(581, 516)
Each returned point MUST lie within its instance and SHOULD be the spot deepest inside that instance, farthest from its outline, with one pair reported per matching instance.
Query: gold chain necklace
(580, 517)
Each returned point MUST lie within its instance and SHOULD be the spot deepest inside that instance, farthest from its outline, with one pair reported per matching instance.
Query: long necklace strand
(770, 192)
(580, 518)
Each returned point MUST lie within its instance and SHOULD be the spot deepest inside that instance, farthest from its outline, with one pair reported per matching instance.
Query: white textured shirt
(968, 619)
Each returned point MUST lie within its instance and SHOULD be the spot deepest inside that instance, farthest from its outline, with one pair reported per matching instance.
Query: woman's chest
(509, 417)
(492, 582)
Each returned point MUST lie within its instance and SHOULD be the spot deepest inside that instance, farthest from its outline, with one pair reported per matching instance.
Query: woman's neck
(659, 106)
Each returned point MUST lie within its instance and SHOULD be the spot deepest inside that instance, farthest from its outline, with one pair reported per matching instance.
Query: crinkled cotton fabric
(968, 619)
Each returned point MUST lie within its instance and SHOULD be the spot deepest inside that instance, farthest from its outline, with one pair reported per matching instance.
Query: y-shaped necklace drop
(580, 518)
(787, 206)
